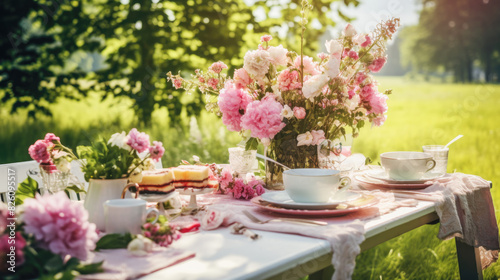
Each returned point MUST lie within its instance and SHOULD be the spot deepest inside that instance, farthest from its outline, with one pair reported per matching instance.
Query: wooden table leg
(469, 261)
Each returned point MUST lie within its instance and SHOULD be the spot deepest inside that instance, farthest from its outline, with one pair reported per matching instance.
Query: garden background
(83, 69)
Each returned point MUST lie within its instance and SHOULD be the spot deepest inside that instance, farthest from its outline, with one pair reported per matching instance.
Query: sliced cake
(191, 176)
(158, 181)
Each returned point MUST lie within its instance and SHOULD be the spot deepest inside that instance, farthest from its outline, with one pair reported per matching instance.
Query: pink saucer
(371, 183)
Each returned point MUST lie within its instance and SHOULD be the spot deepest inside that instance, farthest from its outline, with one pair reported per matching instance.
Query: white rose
(334, 48)
(256, 63)
(352, 103)
(63, 164)
(278, 55)
(140, 246)
(332, 67)
(120, 140)
(287, 112)
(313, 86)
(305, 139)
(349, 30)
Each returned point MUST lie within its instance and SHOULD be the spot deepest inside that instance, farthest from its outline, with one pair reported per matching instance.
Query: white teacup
(407, 165)
(313, 185)
(126, 215)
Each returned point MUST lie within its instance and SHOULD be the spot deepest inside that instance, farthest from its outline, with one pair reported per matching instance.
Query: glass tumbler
(440, 155)
(242, 161)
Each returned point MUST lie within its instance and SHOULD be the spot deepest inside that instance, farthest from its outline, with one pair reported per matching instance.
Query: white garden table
(222, 255)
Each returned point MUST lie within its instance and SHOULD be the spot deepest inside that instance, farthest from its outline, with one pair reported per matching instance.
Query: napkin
(120, 265)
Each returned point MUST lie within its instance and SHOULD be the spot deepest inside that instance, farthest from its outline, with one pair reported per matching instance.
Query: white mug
(407, 165)
(126, 215)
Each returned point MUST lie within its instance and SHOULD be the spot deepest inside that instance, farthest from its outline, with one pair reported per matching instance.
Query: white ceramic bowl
(312, 185)
(406, 165)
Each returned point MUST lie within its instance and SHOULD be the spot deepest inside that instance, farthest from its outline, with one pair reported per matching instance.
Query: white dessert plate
(281, 199)
(156, 197)
(380, 174)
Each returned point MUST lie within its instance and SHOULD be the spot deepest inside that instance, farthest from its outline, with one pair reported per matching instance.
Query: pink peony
(367, 92)
(39, 151)
(232, 104)
(310, 67)
(377, 64)
(378, 103)
(266, 38)
(241, 78)
(353, 55)
(299, 112)
(51, 137)
(178, 83)
(263, 118)
(59, 225)
(318, 137)
(256, 63)
(217, 67)
(288, 80)
(139, 141)
(213, 82)
(156, 151)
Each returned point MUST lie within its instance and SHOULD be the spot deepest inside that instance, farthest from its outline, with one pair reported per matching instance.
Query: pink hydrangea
(266, 38)
(288, 80)
(178, 83)
(51, 137)
(377, 64)
(139, 141)
(217, 67)
(59, 225)
(213, 82)
(353, 55)
(263, 118)
(299, 112)
(40, 151)
(232, 104)
(241, 78)
(156, 151)
(378, 103)
(310, 67)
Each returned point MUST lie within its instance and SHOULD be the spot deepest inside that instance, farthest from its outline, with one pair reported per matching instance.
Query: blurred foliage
(455, 36)
(54, 48)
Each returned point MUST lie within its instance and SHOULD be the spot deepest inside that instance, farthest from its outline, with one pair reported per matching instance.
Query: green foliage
(104, 161)
(114, 241)
(26, 189)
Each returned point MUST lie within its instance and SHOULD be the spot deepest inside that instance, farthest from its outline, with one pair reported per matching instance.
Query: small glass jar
(242, 161)
(54, 180)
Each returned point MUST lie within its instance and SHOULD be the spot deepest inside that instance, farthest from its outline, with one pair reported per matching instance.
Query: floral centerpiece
(292, 103)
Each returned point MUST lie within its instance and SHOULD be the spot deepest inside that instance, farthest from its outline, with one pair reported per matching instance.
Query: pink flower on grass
(263, 118)
(213, 82)
(40, 151)
(156, 151)
(51, 137)
(241, 78)
(266, 38)
(378, 103)
(217, 67)
(232, 104)
(288, 80)
(59, 225)
(139, 141)
(377, 64)
(299, 112)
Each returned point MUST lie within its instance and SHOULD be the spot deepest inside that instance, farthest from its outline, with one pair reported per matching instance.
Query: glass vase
(54, 180)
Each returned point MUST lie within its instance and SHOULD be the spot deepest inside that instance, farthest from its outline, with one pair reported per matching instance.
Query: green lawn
(419, 114)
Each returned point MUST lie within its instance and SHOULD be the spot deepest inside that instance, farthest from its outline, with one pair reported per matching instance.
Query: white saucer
(281, 198)
(382, 175)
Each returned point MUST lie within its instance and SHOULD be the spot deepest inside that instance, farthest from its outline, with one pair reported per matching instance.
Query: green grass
(419, 113)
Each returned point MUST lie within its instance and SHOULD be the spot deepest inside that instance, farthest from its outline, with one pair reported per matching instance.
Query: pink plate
(371, 183)
(362, 203)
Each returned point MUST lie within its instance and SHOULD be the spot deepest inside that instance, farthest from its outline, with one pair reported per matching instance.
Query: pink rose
(51, 137)
(238, 188)
(241, 78)
(318, 137)
(139, 141)
(367, 92)
(378, 103)
(266, 38)
(178, 83)
(217, 67)
(226, 178)
(310, 67)
(213, 82)
(353, 55)
(263, 118)
(288, 80)
(40, 151)
(212, 219)
(377, 64)
(299, 112)
(156, 151)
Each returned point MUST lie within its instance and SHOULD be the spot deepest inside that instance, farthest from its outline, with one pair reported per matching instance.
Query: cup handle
(157, 214)
(432, 164)
(345, 182)
(127, 188)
